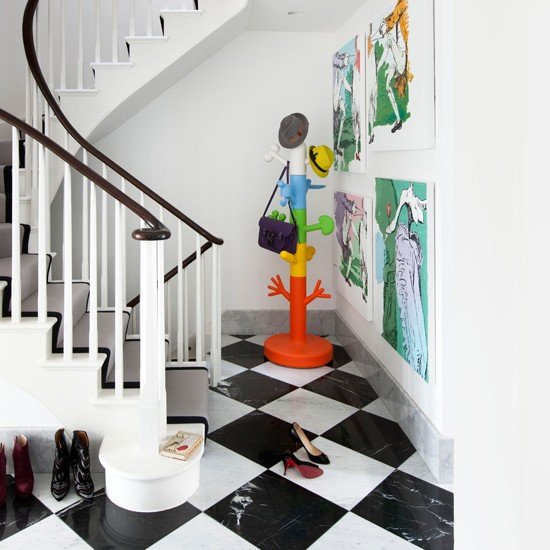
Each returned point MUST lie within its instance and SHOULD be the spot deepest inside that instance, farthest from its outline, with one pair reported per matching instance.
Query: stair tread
(112, 65)
(105, 335)
(56, 303)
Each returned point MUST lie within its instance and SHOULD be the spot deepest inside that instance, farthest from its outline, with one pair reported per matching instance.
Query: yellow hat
(321, 158)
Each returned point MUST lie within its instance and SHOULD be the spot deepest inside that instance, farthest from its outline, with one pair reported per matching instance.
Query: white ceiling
(314, 16)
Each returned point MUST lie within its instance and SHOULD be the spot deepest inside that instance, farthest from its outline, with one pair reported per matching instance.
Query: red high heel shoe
(3, 478)
(307, 469)
(24, 478)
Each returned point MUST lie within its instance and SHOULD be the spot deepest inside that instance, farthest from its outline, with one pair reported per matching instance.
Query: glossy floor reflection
(377, 493)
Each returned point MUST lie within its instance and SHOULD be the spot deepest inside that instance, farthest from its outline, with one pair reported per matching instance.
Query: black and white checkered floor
(377, 493)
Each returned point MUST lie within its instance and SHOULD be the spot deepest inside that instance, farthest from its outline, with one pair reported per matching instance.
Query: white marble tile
(202, 533)
(223, 410)
(222, 472)
(334, 340)
(42, 491)
(258, 339)
(312, 411)
(416, 467)
(296, 377)
(378, 408)
(230, 369)
(227, 369)
(355, 532)
(348, 478)
(227, 340)
(49, 534)
(351, 368)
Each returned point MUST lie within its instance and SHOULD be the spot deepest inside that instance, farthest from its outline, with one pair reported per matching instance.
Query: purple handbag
(277, 235)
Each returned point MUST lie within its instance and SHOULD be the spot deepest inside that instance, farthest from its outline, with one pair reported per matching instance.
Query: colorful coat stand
(296, 348)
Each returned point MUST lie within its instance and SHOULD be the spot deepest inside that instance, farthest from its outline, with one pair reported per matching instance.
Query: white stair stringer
(68, 389)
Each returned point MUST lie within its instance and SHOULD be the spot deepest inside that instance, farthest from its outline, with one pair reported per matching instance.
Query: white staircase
(92, 356)
(122, 87)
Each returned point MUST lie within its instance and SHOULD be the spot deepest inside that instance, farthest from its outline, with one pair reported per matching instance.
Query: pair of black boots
(78, 459)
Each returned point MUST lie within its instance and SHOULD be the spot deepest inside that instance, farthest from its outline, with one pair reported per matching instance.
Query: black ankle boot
(60, 475)
(80, 462)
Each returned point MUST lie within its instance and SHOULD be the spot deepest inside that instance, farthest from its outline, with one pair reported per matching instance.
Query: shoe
(24, 478)
(60, 475)
(307, 469)
(301, 440)
(3, 477)
(80, 462)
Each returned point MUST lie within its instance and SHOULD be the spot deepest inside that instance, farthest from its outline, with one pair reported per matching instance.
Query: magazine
(181, 446)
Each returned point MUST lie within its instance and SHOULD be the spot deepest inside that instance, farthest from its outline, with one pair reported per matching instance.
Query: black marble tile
(245, 354)
(242, 336)
(373, 436)
(344, 387)
(413, 509)
(19, 513)
(102, 524)
(272, 512)
(253, 388)
(340, 358)
(257, 436)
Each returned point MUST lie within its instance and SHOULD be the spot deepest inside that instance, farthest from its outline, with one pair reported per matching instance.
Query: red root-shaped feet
(24, 478)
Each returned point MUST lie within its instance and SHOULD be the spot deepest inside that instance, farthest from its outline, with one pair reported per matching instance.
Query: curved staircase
(117, 367)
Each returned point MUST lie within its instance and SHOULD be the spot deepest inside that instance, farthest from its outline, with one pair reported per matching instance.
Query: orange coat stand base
(312, 352)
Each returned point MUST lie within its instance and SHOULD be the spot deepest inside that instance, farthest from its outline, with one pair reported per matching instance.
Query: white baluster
(168, 317)
(119, 336)
(115, 32)
(85, 226)
(132, 17)
(80, 63)
(67, 261)
(42, 258)
(149, 361)
(104, 250)
(160, 339)
(203, 306)
(92, 300)
(149, 18)
(28, 140)
(47, 178)
(50, 48)
(34, 173)
(123, 224)
(63, 75)
(185, 315)
(15, 231)
(97, 31)
(198, 303)
(180, 293)
(215, 364)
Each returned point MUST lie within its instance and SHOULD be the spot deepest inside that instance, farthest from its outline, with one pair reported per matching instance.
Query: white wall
(501, 283)
(201, 146)
(434, 165)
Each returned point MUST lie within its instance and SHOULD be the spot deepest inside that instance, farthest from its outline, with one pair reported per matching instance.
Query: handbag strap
(285, 171)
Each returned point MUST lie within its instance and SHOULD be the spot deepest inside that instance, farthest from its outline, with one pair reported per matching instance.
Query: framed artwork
(400, 72)
(404, 266)
(349, 109)
(353, 250)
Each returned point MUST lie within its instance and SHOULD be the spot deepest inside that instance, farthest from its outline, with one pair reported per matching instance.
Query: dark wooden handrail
(156, 231)
(173, 272)
(34, 66)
